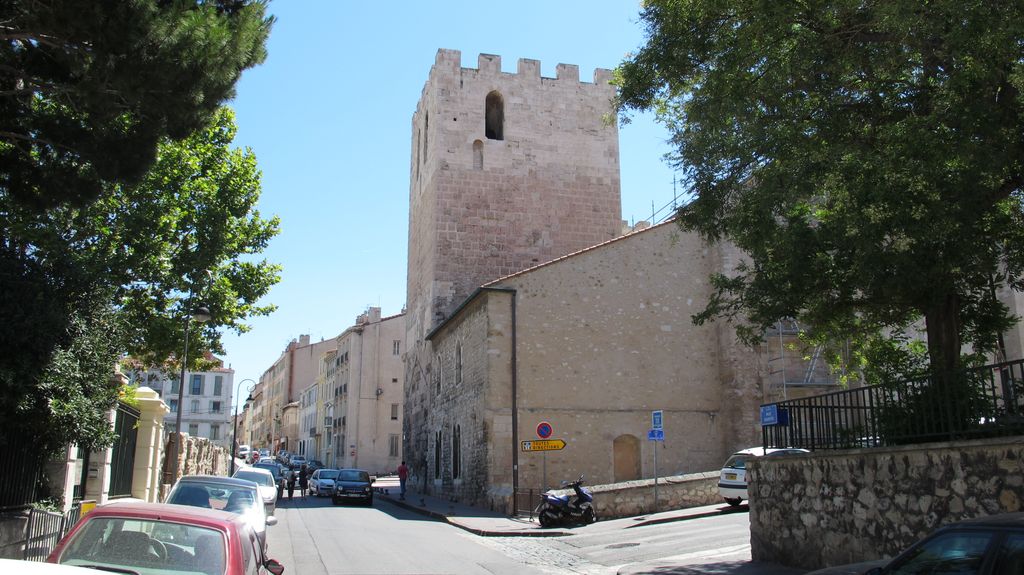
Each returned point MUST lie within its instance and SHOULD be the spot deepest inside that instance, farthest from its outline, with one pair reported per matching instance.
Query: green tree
(866, 155)
(88, 89)
(86, 285)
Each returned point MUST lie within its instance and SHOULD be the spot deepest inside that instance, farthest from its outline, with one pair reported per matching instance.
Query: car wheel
(547, 518)
(335, 501)
(733, 501)
(589, 516)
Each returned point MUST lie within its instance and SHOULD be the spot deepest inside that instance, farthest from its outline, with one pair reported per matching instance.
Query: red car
(156, 538)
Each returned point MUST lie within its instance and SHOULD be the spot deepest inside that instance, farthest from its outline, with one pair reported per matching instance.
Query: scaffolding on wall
(792, 363)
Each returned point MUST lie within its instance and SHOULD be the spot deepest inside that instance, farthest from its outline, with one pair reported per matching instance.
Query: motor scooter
(556, 509)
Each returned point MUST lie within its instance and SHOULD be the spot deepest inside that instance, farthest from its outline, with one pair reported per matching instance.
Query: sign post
(544, 431)
(656, 434)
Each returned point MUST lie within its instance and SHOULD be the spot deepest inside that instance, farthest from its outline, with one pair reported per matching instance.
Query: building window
(174, 386)
(437, 455)
(456, 450)
(494, 115)
(195, 406)
(218, 385)
(478, 155)
(458, 363)
(394, 412)
(214, 407)
(393, 445)
(215, 432)
(193, 429)
(437, 374)
(171, 427)
(197, 384)
(174, 406)
(396, 347)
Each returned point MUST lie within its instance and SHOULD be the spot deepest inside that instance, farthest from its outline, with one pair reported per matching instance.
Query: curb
(476, 531)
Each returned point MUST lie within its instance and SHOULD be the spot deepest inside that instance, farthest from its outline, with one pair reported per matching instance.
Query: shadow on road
(720, 568)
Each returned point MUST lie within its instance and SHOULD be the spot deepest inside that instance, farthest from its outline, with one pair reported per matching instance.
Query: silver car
(266, 482)
(239, 496)
(322, 482)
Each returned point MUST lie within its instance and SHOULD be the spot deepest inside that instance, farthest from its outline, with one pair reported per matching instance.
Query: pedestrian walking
(291, 484)
(403, 474)
(303, 479)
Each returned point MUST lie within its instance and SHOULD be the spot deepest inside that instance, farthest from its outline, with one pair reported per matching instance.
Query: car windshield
(239, 499)
(271, 467)
(328, 474)
(256, 477)
(145, 546)
(737, 461)
(353, 475)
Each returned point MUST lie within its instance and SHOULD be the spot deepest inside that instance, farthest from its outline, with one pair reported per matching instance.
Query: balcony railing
(983, 402)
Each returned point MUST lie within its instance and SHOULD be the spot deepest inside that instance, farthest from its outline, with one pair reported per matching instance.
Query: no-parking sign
(544, 430)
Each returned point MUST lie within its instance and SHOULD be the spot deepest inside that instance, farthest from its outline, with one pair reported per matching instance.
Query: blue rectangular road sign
(770, 414)
(656, 419)
(656, 435)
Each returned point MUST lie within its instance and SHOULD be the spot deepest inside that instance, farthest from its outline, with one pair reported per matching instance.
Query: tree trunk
(942, 321)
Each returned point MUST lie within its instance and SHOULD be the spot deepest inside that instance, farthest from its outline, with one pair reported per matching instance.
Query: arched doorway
(626, 458)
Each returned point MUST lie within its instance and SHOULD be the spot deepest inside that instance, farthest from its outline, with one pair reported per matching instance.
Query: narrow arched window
(458, 363)
(437, 455)
(494, 115)
(426, 134)
(478, 155)
(456, 451)
(439, 376)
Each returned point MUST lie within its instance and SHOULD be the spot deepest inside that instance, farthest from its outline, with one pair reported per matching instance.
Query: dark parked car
(992, 545)
(352, 484)
(152, 538)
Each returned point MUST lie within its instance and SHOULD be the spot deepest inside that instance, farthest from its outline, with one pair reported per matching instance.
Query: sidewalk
(486, 523)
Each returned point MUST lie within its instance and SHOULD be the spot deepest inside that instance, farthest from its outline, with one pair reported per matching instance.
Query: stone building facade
(591, 343)
(507, 171)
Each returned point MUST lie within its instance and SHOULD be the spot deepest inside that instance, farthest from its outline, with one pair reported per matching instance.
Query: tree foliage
(86, 285)
(866, 155)
(88, 89)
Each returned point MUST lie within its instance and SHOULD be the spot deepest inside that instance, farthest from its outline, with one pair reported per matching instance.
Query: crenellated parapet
(450, 61)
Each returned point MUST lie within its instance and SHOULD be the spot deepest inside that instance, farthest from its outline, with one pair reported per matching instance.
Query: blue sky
(328, 117)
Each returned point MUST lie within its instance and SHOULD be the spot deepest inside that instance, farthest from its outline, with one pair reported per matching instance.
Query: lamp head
(201, 314)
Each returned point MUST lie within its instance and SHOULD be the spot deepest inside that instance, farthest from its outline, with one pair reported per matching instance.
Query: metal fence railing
(525, 502)
(45, 529)
(984, 402)
(20, 473)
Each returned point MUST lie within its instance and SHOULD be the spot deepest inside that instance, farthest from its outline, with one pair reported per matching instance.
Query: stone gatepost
(149, 445)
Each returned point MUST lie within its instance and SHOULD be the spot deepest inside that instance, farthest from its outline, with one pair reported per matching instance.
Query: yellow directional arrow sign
(543, 445)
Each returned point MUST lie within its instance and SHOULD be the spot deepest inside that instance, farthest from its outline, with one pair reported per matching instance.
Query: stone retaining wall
(824, 509)
(632, 498)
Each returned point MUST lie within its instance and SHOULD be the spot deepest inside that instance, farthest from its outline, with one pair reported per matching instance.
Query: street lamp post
(234, 431)
(200, 314)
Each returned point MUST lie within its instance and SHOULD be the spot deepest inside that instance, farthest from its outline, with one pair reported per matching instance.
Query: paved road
(313, 537)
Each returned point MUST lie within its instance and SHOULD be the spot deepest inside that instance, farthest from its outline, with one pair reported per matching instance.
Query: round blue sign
(544, 430)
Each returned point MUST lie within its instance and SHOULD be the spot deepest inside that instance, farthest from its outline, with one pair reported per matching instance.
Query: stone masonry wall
(823, 509)
(633, 498)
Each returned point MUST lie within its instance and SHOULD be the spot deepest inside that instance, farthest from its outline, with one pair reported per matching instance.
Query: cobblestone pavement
(544, 554)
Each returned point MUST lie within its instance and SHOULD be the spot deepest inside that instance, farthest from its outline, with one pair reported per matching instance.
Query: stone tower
(508, 171)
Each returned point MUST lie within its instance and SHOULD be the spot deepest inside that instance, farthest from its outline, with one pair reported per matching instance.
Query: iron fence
(45, 529)
(20, 475)
(122, 455)
(983, 402)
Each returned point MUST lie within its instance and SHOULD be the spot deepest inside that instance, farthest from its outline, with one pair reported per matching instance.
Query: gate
(45, 529)
(122, 459)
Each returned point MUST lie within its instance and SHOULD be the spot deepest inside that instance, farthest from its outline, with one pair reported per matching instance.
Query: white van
(732, 483)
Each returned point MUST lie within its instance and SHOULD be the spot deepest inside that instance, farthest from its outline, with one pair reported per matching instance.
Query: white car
(322, 482)
(267, 485)
(732, 483)
(244, 451)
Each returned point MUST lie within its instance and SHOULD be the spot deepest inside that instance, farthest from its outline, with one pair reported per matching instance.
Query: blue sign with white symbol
(544, 430)
(656, 419)
(656, 435)
(770, 414)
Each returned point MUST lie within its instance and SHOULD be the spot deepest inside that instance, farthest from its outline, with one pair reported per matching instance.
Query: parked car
(296, 462)
(322, 482)
(244, 451)
(992, 545)
(352, 484)
(264, 452)
(265, 480)
(315, 464)
(235, 495)
(277, 471)
(156, 538)
(283, 456)
(732, 483)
